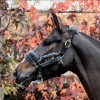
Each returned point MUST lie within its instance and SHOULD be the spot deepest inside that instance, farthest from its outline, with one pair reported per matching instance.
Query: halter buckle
(68, 43)
(35, 65)
(61, 62)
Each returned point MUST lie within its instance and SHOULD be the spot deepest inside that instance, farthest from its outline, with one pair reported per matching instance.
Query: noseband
(51, 58)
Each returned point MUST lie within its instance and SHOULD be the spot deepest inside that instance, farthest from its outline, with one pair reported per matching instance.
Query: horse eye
(59, 40)
(47, 42)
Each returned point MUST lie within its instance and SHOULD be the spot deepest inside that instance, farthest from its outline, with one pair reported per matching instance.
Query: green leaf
(7, 90)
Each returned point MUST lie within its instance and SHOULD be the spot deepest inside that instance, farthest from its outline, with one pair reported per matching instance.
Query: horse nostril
(15, 74)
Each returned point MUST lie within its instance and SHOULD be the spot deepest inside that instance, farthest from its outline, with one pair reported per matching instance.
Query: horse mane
(93, 40)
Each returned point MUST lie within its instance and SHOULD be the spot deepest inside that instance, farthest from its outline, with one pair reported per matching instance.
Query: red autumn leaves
(57, 90)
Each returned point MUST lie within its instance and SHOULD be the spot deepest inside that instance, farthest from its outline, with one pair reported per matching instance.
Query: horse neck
(86, 49)
(88, 70)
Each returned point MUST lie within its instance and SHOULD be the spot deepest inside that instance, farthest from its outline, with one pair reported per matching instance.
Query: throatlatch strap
(72, 31)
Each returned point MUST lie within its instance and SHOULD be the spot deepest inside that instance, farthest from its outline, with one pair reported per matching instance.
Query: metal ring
(68, 43)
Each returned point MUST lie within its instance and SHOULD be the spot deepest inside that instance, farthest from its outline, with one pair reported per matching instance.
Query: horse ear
(56, 21)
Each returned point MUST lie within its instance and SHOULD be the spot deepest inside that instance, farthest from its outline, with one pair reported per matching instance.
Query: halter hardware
(39, 78)
(51, 58)
(68, 43)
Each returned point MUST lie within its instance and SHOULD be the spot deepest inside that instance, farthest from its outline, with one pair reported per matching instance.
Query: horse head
(58, 41)
(64, 49)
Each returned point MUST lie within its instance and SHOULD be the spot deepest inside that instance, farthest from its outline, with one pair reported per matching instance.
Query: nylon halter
(51, 58)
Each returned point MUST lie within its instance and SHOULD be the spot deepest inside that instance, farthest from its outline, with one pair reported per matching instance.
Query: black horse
(79, 53)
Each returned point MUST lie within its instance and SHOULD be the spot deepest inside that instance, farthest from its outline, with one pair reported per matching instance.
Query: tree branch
(1, 30)
(70, 11)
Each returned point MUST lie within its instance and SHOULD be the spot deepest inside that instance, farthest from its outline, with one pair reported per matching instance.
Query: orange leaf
(98, 2)
(64, 98)
(7, 33)
(23, 4)
(63, 91)
(41, 87)
(32, 9)
(92, 3)
(61, 85)
(33, 14)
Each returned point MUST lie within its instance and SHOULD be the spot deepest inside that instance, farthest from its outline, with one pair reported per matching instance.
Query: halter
(51, 58)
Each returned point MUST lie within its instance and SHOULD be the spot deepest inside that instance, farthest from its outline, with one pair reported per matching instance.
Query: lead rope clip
(39, 78)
